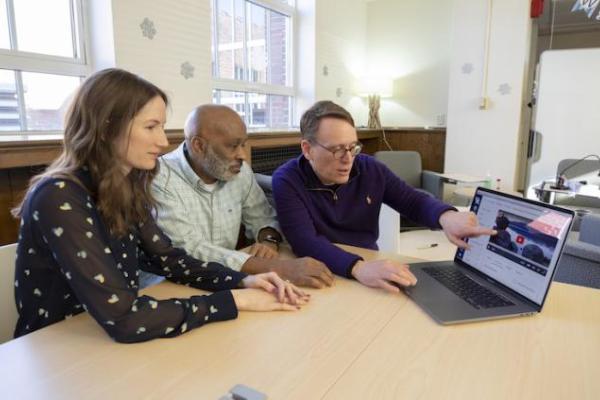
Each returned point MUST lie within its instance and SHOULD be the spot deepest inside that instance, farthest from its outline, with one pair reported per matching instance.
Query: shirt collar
(180, 155)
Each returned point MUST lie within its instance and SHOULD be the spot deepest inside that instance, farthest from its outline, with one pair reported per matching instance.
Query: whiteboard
(567, 115)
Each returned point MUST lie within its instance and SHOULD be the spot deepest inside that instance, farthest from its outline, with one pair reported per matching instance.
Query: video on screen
(516, 234)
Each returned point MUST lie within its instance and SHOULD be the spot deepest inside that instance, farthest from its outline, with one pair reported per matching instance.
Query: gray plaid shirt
(207, 223)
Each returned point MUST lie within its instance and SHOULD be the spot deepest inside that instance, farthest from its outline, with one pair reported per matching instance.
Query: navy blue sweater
(313, 216)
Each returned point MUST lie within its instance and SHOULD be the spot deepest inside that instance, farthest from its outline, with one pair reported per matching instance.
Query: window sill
(41, 149)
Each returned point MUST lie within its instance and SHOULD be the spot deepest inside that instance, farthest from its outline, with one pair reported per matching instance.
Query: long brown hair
(101, 112)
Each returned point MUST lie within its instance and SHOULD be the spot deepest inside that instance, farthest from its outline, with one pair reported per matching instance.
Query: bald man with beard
(205, 190)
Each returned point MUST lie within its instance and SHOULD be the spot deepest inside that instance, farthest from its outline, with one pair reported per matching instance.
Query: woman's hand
(284, 291)
(259, 300)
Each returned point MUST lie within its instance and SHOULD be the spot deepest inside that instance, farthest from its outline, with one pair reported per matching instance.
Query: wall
(567, 117)
(331, 53)
(305, 61)
(341, 36)
(409, 41)
(358, 38)
(100, 34)
(491, 140)
(406, 41)
(324, 38)
(182, 35)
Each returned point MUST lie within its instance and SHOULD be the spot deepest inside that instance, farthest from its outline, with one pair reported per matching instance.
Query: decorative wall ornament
(148, 29)
(504, 89)
(187, 70)
(467, 68)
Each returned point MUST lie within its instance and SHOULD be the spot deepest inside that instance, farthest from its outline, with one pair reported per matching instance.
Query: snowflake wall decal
(504, 89)
(148, 29)
(467, 68)
(187, 70)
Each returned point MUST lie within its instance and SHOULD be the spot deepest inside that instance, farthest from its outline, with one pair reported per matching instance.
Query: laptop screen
(524, 253)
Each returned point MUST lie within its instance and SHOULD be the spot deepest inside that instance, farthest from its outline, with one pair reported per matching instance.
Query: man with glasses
(205, 190)
(333, 194)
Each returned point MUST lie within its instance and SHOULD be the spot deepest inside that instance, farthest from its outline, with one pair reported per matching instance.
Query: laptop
(500, 276)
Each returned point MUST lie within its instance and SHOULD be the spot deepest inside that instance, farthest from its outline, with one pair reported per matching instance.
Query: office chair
(580, 260)
(265, 183)
(8, 308)
(407, 166)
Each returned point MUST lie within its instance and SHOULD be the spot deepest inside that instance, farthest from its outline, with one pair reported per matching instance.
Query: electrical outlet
(440, 119)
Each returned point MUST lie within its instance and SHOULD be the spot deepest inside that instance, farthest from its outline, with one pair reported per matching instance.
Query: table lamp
(374, 89)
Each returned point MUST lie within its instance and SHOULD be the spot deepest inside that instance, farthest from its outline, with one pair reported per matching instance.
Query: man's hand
(305, 271)
(384, 274)
(458, 225)
(262, 250)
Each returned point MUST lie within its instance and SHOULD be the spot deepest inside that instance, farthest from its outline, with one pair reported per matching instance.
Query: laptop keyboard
(466, 288)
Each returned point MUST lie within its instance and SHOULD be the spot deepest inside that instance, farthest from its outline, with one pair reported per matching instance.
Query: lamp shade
(367, 86)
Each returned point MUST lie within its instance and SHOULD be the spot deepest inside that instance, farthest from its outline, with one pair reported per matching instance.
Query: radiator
(265, 160)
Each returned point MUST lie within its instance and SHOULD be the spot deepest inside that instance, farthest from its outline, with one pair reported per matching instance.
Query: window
(42, 62)
(252, 60)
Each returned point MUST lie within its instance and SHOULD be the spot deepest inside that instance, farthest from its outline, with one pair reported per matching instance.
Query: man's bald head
(215, 136)
(209, 120)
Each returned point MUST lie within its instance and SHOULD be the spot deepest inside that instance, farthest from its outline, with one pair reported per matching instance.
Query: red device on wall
(537, 8)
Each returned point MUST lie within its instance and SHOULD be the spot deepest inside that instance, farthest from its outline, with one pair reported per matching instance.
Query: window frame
(19, 61)
(245, 85)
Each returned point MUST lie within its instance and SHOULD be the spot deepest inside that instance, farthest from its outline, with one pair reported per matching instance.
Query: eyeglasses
(340, 151)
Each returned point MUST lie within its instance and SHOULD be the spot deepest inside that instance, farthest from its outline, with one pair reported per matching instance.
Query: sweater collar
(311, 180)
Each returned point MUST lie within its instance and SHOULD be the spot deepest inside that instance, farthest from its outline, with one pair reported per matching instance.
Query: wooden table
(351, 342)
(554, 355)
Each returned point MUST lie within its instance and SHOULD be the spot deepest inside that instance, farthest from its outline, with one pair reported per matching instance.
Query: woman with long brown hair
(87, 228)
